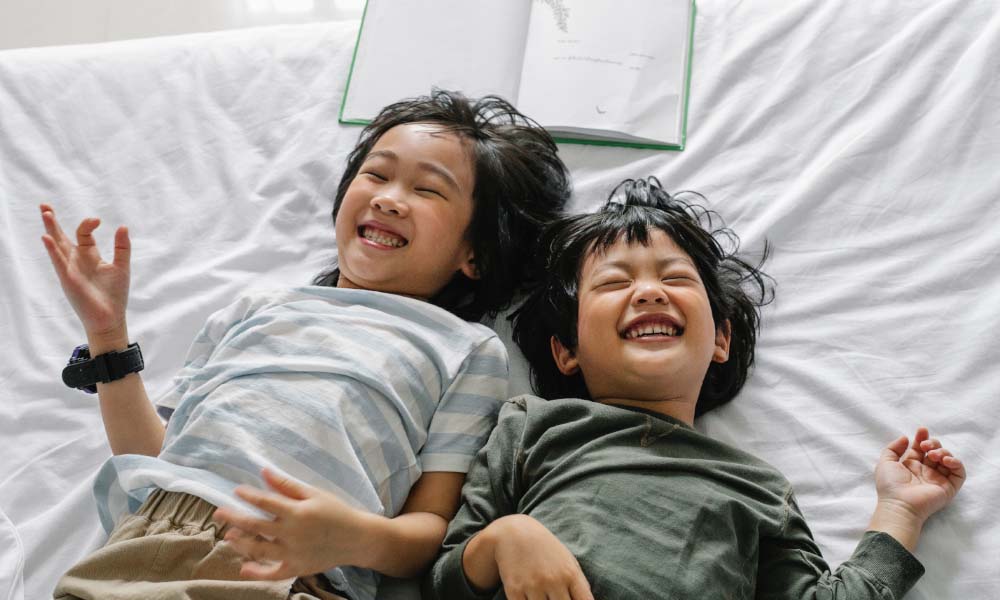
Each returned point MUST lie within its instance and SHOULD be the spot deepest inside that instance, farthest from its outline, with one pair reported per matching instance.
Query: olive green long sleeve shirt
(652, 508)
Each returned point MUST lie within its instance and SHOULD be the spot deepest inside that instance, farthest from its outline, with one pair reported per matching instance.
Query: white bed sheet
(862, 140)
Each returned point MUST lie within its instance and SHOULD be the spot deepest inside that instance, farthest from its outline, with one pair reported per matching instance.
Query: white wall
(26, 23)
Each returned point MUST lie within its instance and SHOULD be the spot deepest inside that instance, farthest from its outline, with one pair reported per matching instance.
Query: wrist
(899, 520)
(479, 558)
(375, 541)
(114, 339)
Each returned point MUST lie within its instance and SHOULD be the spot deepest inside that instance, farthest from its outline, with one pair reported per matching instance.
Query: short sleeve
(468, 409)
(490, 492)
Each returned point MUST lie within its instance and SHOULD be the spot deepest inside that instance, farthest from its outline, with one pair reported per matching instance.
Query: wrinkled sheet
(860, 140)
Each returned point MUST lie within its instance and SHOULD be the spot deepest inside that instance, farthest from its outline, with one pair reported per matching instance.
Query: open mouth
(653, 329)
(382, 237)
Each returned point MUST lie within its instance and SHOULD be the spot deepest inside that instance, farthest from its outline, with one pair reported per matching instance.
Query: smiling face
(401, 227)
(645, 331)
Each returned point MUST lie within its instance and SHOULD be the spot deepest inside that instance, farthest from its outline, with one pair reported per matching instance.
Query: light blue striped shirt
(351, 391)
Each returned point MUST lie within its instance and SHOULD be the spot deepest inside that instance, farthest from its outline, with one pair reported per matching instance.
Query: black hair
(521, 185)
(736, 289)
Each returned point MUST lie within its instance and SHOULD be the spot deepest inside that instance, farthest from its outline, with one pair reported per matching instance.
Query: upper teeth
(381, 237)
(650, 329)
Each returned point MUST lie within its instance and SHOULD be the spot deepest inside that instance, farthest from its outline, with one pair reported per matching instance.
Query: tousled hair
(521, 185)
(736, 289)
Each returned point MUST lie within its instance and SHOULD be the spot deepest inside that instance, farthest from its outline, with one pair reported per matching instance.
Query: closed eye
(376, 175)
(613, 284)
(679, 279)
(430, 191)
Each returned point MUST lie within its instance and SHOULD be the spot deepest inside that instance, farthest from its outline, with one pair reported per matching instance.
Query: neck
(677, 408)
(344, 282)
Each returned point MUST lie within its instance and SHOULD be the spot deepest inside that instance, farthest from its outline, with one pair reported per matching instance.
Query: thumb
(894, 450)
(285, 485)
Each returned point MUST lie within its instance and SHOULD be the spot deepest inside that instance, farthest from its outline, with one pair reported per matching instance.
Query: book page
(408, 46)
(607, 65)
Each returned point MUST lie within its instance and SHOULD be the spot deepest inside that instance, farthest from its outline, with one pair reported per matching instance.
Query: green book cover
(595, 72)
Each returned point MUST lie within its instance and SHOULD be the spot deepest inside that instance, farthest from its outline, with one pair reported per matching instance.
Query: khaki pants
(170, 550)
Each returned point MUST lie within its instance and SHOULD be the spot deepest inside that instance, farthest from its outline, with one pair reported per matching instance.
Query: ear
(468, 265)
(723, 335)
(566, 361)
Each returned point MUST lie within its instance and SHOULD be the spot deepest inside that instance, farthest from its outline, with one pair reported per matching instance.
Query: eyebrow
(661, 263)
(421, 164)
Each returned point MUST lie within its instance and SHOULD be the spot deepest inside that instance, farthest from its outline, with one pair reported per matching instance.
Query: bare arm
(98, 292)
(410, 542)
(130, 421)
(314, 531)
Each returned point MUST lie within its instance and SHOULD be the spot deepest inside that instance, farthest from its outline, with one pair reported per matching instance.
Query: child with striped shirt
(359, 401)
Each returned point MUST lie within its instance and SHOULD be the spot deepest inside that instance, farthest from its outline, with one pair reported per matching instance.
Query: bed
(861, 140)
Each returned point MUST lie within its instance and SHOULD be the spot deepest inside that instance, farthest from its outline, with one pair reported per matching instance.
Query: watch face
(80, 354)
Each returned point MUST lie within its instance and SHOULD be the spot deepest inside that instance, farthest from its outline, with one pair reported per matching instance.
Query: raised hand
(97, 290)
(921, 478)
(312, 530)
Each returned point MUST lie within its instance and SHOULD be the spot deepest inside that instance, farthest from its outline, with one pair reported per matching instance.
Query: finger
(56, 255)
(266, 501)
(248, 524)
(931, 444)
(266, 570)
(123, 248)
(914, 452)
(52, 228)
(920, 436)
(894, 450)
(559, 593)
(579, 588)
(253, 547)
(956, 466)
(234, 533)
(85, 231)
(937, 454)
(286, 485)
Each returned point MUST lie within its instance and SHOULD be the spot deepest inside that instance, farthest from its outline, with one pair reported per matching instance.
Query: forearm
(130, 421)
(406, 545)
(791, 566)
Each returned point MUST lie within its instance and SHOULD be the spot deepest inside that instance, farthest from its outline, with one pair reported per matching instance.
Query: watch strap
(104, 368)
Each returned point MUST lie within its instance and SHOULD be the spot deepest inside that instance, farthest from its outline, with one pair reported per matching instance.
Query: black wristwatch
(83, 372)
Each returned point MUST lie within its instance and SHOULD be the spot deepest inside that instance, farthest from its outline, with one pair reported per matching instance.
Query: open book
(609, 72)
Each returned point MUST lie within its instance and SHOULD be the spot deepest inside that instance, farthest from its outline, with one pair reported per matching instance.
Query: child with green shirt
(648, 318)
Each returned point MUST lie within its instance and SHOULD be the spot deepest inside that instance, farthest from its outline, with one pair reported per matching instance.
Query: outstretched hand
(312, 530)
(921, 478)
(97, 290)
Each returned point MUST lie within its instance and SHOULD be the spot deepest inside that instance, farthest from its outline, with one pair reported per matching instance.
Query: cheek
(341, 227)
(596, 324)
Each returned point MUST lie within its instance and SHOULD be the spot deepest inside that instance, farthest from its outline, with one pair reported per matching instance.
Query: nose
(390, 205)
(650, 293)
